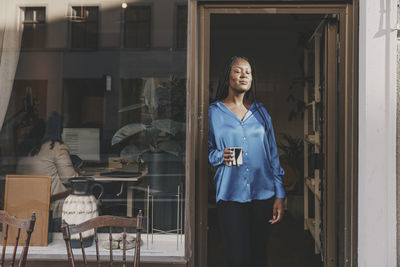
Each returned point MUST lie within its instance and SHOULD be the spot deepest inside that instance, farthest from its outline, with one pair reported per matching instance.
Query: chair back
(7, 221)
(100, 222)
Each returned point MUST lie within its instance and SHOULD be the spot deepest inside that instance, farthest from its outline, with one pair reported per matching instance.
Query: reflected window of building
(26, 108)
(131, 94)
(114, 108)
(181, 27)
(137, 28)
(83, 102)
(84, 27)
(34, 23)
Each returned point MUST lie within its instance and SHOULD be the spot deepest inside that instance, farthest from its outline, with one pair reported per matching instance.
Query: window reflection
(84, 27)
(34, 34)
(83, 103)
(181, 27)
(137, 27)
(123, 111)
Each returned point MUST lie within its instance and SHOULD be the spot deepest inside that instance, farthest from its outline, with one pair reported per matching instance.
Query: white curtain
(10, 45)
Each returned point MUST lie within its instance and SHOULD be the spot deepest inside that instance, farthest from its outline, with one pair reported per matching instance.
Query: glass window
(34, 32)
(137, 27)
(84, 27)
(181, 27)
(83, 102)
(113, 114)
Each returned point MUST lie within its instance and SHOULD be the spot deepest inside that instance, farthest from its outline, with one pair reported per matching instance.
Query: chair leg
(177, 217)
(182, 204)
(148, 213)
(152, 219)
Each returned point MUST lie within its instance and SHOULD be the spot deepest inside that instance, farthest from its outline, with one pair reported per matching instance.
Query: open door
(320, 65)
(329, 213)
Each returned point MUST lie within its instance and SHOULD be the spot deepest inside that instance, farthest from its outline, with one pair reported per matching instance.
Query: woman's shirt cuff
(279, 191)
(216, 157)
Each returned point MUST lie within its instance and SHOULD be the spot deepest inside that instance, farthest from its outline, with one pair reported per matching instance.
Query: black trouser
(244, 231)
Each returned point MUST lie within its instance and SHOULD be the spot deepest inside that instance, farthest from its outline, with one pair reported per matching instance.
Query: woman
(51, 157)
(249, 196)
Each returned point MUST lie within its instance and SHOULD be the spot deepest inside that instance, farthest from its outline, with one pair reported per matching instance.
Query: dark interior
(275, 43)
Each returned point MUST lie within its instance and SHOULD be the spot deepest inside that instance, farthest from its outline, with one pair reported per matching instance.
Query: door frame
(344, 159)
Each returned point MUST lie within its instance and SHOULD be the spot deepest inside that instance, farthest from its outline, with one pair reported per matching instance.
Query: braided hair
(223, 85)
(52, 133)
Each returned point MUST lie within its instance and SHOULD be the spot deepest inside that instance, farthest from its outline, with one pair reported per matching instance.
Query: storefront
(126, 86)
(109, 81)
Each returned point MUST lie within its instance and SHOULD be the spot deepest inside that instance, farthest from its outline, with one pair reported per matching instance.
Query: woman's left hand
(277, 213)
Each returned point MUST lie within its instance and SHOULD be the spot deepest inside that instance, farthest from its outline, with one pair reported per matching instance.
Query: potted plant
(292, 159)
(164, 129)
(159, 140)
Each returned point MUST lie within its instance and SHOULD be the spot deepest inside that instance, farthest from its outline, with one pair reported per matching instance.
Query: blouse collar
(227, 110)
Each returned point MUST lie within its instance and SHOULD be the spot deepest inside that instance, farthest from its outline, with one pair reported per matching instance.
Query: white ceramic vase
(79, 207)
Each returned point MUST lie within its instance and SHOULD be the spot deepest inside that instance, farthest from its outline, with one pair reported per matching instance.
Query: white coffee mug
(237, 157)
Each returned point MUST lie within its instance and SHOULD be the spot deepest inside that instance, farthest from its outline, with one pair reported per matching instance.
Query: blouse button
(247, 169)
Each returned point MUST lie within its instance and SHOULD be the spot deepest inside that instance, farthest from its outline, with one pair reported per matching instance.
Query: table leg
(129, 200)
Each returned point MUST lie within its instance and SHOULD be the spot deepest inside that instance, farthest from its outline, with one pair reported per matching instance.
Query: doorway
(297, 56)
(276, 44)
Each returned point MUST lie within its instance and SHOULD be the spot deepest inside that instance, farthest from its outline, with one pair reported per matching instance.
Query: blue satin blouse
(260, 176)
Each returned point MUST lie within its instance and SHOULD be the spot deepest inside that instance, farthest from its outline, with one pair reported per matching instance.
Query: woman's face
(240, 77)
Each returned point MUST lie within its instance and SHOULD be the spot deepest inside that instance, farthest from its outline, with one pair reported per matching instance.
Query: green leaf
(170, 146)
(168, 126)
(132, 151)
(127, 131)
(131, 107)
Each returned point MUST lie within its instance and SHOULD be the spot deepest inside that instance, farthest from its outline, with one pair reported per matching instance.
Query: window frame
(176, 25)
(23, 11)
(66, 46)
(150, 21)
(70, 28)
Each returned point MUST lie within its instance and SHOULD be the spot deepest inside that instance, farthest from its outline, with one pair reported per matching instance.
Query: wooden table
(129, 182)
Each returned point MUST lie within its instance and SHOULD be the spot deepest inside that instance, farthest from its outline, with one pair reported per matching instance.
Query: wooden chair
(104, 221)
(8, 220)
(25, 194)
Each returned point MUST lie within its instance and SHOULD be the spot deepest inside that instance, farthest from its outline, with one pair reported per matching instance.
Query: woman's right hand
(228, 156)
